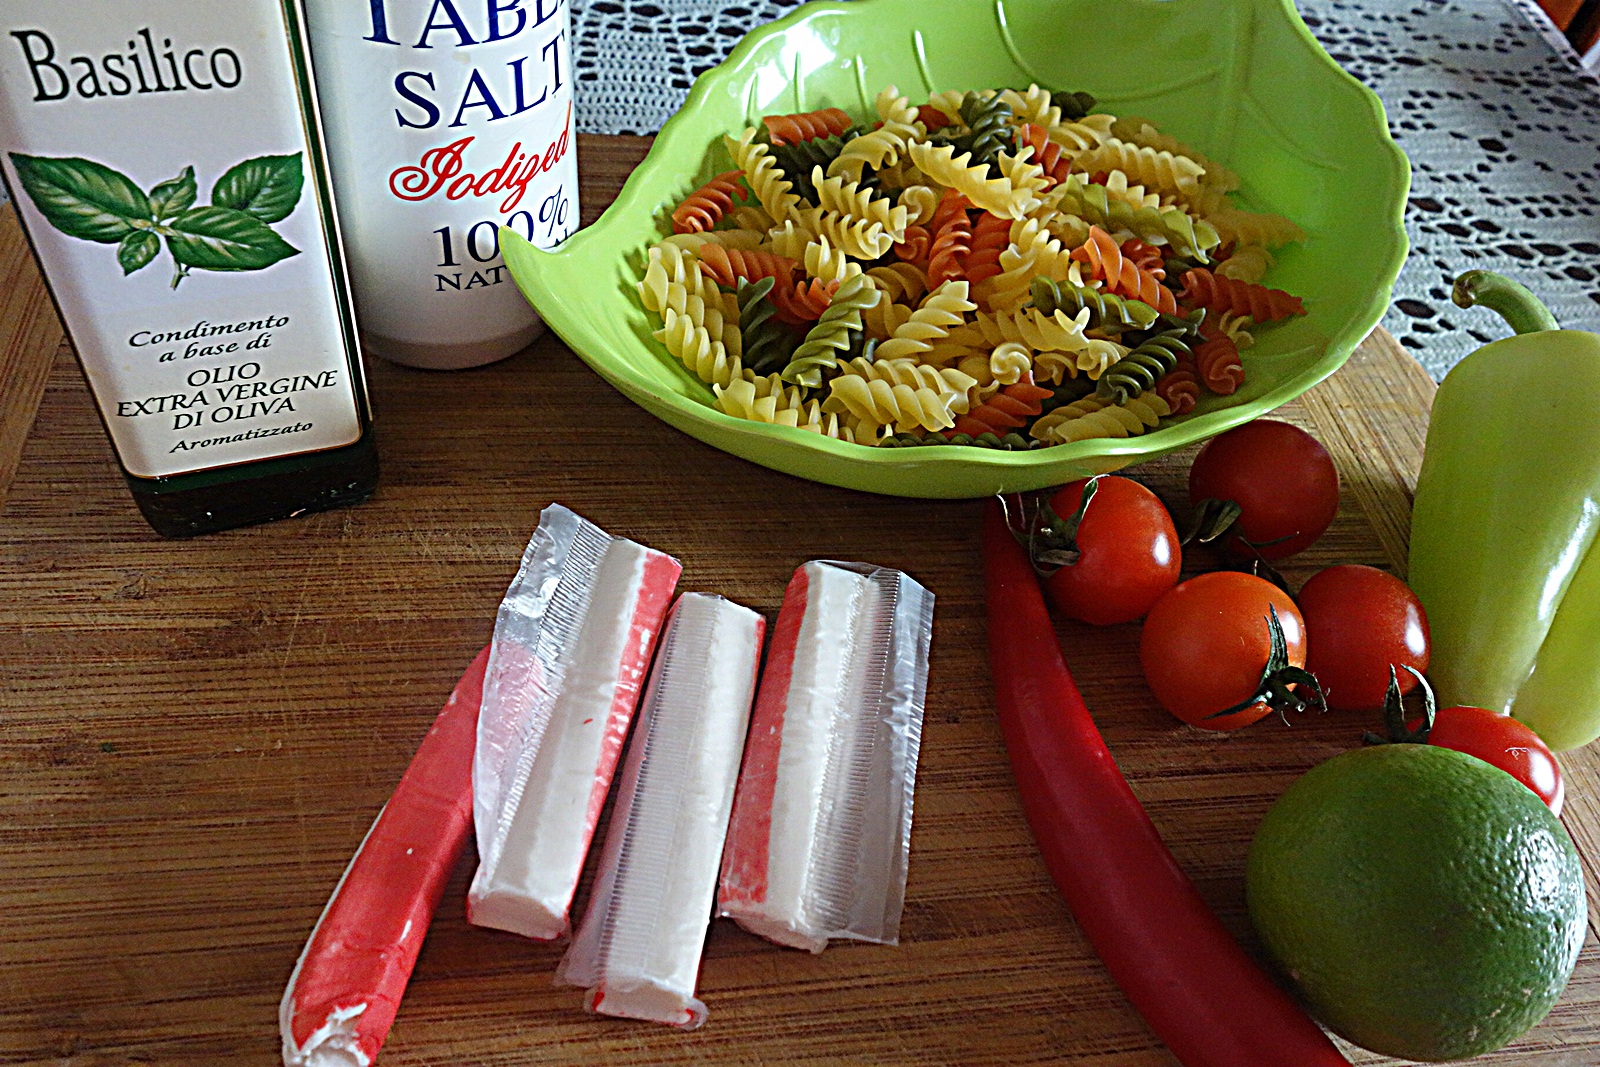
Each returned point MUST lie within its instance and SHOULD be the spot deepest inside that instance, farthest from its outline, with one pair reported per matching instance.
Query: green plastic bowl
(1241, 80)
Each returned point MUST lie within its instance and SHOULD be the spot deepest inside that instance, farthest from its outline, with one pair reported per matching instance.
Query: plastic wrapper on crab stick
(637, 950)
(820, 834)
(572, 643)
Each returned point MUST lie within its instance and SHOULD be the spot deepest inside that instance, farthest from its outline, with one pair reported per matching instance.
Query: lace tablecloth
(1500, 121)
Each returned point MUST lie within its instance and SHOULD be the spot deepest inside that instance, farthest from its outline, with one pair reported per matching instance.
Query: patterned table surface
(1500, 120)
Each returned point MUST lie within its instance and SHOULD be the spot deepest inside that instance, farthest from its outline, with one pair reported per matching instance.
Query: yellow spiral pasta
(761, 170)
(745, 240)
(1255, 228)
(1144, 133)
(885, 317)
(1081, 136)
(904, 282)
(849, 199)
(750, 217)
(1238, 328)
(945, 307)
(1249, 263)
(670, 274)
(998, 196)
(1032, 105)
(910, 372)
(1057, 332)
(858, 237)
(884, 146)
(1117, 188)
(1092, 360)
(920, 202)
(1033, 253)
(878, 403)
(759, 398)
(828, 263)
(1150, 167)
(789, 240)
(1010, 362)
(698, 343)
(1095, 416)
(948, 103)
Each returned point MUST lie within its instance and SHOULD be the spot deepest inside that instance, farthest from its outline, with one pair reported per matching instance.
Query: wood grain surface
(194, 737)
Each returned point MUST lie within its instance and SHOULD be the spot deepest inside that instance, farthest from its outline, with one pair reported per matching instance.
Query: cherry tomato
(1128, 554)
(1505, 742)
(1206, 643)
(1282, 479)
(1359, 621)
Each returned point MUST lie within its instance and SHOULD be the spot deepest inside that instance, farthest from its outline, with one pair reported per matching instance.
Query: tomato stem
(1394, 713)
(1280, 680)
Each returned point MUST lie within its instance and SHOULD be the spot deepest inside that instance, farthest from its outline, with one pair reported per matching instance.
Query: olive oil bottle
(165, 158)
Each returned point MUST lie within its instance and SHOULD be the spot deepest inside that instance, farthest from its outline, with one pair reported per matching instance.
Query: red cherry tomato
(1128, 553)
(1505, 742)
(1282, 479)
(1359, 621)
(1205, 644)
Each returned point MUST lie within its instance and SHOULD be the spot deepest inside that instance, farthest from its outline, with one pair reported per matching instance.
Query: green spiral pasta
(989, 131)
(1141, 368)
(797, 160)
(767, 345)
(1188, 236)
(1107, 311)
(831, 335)
(1073, 106)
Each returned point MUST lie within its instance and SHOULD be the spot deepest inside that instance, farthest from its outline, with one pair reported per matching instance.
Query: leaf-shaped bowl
(1243, 81)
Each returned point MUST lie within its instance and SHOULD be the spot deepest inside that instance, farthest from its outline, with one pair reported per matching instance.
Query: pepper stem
(1511, 299)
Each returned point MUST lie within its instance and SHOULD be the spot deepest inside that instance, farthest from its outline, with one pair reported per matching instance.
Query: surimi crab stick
(821, 828)
(346, 987)
(638, 948)
(571, 646)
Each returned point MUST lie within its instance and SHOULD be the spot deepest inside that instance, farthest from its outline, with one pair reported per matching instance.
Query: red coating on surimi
(655, 595)
(747, 853)
(365, 945)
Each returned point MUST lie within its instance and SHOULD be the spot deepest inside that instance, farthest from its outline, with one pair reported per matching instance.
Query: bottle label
(446, 120)
(160, 159)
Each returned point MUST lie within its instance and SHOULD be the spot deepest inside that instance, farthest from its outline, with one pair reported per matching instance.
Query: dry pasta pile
(1005, 269)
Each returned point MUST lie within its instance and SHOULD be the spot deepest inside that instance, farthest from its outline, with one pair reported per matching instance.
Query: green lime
(1425, 904)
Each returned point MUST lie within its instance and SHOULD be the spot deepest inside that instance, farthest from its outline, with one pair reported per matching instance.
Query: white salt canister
(445, 120)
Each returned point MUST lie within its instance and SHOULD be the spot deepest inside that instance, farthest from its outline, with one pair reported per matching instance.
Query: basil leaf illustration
(171, 197)
(221, 238)
(82, 198)
(267, 187)
(137, 250)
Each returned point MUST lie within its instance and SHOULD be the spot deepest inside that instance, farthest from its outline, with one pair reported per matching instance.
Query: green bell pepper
(1507, 509)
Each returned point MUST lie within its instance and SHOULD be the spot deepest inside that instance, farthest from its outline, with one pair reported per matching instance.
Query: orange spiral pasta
(806, 125)
(802, 303)
(951, 204)
(1046, 152)
(932, 118)
(991, 235)
(1203, 289)
(914, 249)
(1180, 387)
(1121, 275)
(727, 265)
(703, 208)
(951, 243)
(1146, 257)
(1217, 362)
(1014, 406)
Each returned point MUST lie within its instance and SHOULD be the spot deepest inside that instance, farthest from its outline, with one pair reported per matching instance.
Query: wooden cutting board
(194, 736)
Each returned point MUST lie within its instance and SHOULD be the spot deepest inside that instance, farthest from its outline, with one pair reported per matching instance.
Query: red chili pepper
(1178, 965)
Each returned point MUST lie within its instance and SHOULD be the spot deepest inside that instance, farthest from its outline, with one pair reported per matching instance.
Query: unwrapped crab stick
(638, 948)
(346, 987)
(572, 644)
(821, 828)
